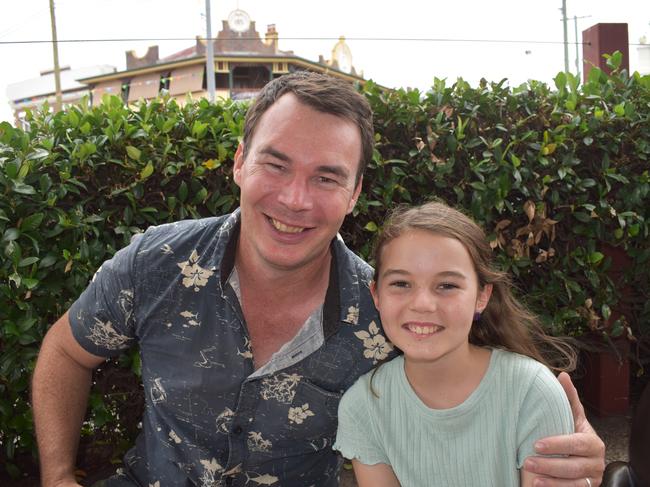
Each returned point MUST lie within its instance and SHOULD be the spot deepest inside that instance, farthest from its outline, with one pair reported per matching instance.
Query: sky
(386, 38)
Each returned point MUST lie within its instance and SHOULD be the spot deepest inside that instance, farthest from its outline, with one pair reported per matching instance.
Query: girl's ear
(373, 293)
(483, 297)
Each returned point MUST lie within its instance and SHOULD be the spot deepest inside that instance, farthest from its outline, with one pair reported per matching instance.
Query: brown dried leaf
(432, 138)
(502, 224)
(436, 160)
(419, 144)
(529, 208)
(530, 241)
(594, 320)
(523, 231)
(447, 110)
(517, 248)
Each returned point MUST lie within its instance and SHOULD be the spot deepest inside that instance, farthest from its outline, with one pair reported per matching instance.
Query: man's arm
(585, 450)
(60, 387)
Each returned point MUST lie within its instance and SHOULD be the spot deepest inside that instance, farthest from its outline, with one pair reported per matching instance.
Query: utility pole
(209, 57)
(566, 40)
(57, 70)
(575, 28)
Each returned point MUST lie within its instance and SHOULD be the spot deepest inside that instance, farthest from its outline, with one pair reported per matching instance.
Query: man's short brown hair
(322, 93)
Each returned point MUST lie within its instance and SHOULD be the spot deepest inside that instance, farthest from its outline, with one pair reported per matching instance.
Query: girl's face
(427, 293)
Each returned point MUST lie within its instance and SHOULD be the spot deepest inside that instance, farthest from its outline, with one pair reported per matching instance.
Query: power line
(361, 39)
(371, 39)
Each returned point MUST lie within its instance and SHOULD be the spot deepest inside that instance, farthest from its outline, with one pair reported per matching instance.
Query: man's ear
(483, 297)
(239, 162)
(355, 196)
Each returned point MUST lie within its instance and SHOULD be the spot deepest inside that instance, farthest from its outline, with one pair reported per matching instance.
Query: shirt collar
(342, 299)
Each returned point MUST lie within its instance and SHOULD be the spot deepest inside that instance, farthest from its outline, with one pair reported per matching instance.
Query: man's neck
(270, 281)
(276, 302)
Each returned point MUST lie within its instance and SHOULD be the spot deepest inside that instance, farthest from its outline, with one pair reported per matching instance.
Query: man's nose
(296, 195)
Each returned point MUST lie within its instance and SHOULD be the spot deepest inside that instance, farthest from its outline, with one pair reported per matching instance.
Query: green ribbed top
(481, 442)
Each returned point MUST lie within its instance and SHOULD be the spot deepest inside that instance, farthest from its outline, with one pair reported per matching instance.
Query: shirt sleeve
(102, 319)
(355, 437)
(545, 412)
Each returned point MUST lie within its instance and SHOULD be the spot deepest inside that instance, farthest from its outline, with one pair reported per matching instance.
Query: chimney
(271, 37)
(134, 60)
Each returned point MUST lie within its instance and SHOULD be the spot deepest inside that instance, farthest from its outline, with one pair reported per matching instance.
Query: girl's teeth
(423, 330)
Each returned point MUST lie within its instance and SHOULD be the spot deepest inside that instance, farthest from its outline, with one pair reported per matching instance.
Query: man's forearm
(60, 389)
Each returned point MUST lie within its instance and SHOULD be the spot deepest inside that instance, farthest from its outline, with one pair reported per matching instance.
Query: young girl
(472, 392)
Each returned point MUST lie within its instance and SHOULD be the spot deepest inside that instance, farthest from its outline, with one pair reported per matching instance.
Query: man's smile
(286, 228)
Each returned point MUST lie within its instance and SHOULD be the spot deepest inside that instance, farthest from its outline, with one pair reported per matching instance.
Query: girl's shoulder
(379, 379)
(505, 359)
(525, 371)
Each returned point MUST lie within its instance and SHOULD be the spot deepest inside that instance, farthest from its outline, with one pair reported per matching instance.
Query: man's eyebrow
(339, 171)
(275, 153)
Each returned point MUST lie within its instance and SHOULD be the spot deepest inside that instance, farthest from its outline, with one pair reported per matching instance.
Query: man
(251, 325)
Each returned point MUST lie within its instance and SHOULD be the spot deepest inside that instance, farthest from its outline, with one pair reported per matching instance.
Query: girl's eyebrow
(390, 272)
(402, 272)
(457, 274)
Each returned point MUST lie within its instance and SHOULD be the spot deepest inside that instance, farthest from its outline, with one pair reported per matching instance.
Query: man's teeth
(285, 228)
(423, 330)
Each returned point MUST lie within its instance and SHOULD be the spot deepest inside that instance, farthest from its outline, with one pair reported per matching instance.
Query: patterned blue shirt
(209, 419)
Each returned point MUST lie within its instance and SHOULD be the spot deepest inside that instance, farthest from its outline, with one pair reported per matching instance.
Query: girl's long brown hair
(505, 323)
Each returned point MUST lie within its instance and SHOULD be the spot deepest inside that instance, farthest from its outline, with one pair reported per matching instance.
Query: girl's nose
(423, 301)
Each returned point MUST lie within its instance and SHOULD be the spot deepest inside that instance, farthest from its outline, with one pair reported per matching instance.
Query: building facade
(243, 64)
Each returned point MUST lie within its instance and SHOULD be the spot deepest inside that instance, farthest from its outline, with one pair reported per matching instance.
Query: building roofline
(222, 57)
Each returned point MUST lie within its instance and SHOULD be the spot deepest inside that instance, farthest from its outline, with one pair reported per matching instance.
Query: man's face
(297, 184)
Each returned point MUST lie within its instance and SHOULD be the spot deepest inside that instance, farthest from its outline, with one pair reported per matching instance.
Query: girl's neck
(450, 380)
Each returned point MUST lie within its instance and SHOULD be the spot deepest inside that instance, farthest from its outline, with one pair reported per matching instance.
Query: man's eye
(326, 180)
(275, 167)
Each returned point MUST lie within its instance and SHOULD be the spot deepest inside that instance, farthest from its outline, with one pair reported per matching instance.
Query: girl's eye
(400, 284)
(446, 286)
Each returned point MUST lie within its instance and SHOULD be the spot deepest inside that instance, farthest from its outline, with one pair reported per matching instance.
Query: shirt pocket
(310, 425)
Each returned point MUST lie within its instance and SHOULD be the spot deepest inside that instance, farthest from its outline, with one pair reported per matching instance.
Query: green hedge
(558, 177)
